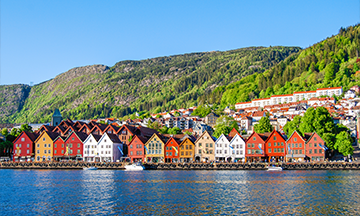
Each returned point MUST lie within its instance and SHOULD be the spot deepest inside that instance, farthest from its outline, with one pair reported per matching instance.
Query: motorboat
(134, 167)
(90, 168)
(274, 168)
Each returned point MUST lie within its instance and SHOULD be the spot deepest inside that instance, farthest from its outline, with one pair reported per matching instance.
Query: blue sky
(41, 39)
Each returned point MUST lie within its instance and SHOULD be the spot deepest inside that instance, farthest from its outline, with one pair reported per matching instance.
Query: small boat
(274, 168)
(134, 167)
(90, 168)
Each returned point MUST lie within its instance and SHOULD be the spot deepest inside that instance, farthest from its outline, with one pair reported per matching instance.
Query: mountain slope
(329, 63)
(12, 98)
(151, 85)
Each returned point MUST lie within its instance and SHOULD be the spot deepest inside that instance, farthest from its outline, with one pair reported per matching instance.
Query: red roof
(329, 88)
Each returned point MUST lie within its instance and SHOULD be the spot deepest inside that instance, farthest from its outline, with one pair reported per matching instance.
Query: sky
(41, 39)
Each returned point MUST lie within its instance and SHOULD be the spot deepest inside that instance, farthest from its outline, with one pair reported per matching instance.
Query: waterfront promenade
(185, 166)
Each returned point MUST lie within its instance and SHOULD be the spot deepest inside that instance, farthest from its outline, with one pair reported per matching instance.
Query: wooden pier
(185, 166)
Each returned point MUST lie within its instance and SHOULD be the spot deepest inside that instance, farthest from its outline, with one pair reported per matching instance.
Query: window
(73, 139)
(190, 147)
(269, 150)
(315, 151)
(253, 145)
(315, 138)
(78, 151)
(300, 145)
(78, 145)
(320, 151)
(300, 151)
(132, 147)
(296, 151)
(275, 150)
(38, 145)
(167, 153)
(252, 151)
(282, 144)
(187, 147)
(225, 151)
(62, 151)
(282, 150)
(44, 139)
(296, 145)
(182, 153)
(248, 145)
(44, 151)
(22, 139)
(131, 153)
(55, 145)
(55, 151)
(310, 145)
(295, 139)
(28, 151)
(310, 151)
(274, 137)
(315, 145)
(45, 145)
(38, 151)
(20, 145)
(49, 145)
(70, 145)
(211, 145)
(274, 143)
(254, 138)
(199, 151)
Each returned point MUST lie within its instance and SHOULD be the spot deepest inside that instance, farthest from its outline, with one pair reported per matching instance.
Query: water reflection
(45, 192)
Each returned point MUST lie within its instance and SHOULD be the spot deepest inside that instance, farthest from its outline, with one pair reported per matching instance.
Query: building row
(147, 145)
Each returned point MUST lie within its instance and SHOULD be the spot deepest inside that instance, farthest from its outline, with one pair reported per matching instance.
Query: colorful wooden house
(24, 147)
(237, 147)
(90, 152)
(44, 146)
(315, 147)
(275, 147)
(74, 145)
(222, 149)
(59, 148)
(110, 148)
(255, 151)
(154, 148)
(186, 149)
(136, 150)
(172, 150)
(205, 147)
(295, 147)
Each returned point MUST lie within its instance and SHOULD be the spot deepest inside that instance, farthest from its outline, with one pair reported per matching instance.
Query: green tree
(174, 130)
(293, 125)
(344, 143)
(164, 130)
(221, 129)
(263, 125)
(4, 132)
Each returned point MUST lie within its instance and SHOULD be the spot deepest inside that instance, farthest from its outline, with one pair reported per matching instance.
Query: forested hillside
(329, 63)
(154, 85)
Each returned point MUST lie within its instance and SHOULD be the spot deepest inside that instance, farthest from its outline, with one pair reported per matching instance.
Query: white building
(110, 148)
(289, 98)
(90, 146)
(350, 94)
(222, 149)
(237, 148)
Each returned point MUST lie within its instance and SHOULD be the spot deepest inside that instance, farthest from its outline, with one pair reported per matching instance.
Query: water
(114, 192)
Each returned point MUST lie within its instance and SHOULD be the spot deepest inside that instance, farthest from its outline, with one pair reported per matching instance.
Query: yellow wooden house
(44, 146)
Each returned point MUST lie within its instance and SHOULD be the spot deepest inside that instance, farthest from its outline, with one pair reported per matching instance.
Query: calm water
(78, 192)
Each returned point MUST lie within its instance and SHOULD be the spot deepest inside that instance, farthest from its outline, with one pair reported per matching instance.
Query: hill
(149, 85)
(330, 63)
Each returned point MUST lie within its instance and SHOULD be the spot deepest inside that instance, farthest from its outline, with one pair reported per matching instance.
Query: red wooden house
(255, 147)
(275, 147)
(172, 150)
(59, 148)
(74, 145)
(24, 147)
(295, 147)
(315, 147)
(136, 150)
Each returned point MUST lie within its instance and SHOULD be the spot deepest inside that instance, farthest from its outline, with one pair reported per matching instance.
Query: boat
(274, 168)
(134, 167)
(90, 168)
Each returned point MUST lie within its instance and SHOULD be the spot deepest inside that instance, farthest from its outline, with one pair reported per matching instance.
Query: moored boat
(134, 167)
(274, 168)
(90, 168)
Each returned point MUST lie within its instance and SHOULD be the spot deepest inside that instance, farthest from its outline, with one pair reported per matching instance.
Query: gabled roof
(203, 134)
(46, 128)
(31, 136)
(141, 138)
(82, 136)
(177, 141)
(295, 132)
(129, 128)
(312, 135)
(232, 133)
(221, 137)
(146, 132)
(161, 138)
(274, 132)
(52, 135)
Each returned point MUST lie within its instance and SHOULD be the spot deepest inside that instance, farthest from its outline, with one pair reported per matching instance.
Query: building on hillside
(24, 147)
(350, 94)
(295, 147)
(56, 118)
(199, 128)
(210, 119)
(205, 148)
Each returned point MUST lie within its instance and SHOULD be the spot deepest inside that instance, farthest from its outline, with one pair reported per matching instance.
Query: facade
(74, 145)
(154, 149)
(186, 150)
(205, 148)
(289, 98)
(110, 148)
(59, 148)
(90, 150)
(237, 148)
(24, 147)
(255, 151)
(44, 146)
(210, 119)
(314, 147)
(222, 149)
(275, 147)
(136, 149)
(172, 150)
(295, 147)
